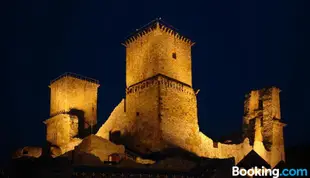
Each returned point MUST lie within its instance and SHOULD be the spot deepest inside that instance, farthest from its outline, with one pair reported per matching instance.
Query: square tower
(160, 103)
(158, 49)
(75, 95)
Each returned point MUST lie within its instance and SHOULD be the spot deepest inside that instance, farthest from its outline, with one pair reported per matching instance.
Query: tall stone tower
(73, 108)
(160, 101)
(263, 125)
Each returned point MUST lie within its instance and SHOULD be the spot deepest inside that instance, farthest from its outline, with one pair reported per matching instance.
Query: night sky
(240, 45)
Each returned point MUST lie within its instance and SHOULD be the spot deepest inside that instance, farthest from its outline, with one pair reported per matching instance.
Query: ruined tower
(73, 108)
(262, 124)
(160, 101)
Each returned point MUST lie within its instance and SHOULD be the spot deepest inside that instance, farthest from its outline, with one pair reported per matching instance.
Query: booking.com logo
(275, 173)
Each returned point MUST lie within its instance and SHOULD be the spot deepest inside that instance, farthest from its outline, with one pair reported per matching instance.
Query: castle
(159, 110)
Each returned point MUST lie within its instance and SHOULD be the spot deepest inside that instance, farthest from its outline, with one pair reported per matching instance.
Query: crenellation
(157, 26)
(159, 110)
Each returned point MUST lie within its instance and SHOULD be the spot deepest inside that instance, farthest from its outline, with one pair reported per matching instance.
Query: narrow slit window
(174, 55)
(215, 144)
(260, 104)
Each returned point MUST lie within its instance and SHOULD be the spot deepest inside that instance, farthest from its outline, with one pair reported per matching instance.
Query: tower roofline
(157, 23)
(70, 74)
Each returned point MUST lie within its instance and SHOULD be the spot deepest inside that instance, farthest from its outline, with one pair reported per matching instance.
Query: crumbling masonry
(160, 108)
(73, 111)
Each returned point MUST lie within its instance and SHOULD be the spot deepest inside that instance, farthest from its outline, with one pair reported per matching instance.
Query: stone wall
(168, 117)
(61, 129)
(116, 121)
(151, 53)
(73, 94)
(142, 108)
(264, 104)
(160, 108)
(155, 110)
(262, 124)
(178, 114)
(278, 143)
(211, 149)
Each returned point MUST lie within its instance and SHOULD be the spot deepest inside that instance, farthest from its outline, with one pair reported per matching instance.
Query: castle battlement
(159, 111)
(156, 24)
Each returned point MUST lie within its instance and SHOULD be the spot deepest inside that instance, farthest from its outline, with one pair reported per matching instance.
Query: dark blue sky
(240, 45)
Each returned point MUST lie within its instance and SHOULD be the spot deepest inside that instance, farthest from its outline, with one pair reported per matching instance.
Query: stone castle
(159, 110)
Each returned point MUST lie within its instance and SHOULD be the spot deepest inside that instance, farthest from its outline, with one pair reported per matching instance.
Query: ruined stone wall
(72, 93)
(61, 132)
(61, 129)
(267, 124)
(271, 111)
(152, 53)
(276, 109)
(262, 124)
(277, 149)
(265, 105)
(251, 106)
(172, 105)
(262, 127)
(237, 151)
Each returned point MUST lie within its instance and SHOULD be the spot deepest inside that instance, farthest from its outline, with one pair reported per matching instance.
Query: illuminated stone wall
(150, 52)
(277, 149)
(152, 113)
(167, 117)
(263, 104)
(116, 121)
(160, 108)
(207, 148)
(178, 114)
(69, 93)
(142, 108)
(262, 124)
(61, 129)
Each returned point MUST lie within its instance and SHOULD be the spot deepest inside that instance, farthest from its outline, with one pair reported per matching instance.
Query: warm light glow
(160, 108)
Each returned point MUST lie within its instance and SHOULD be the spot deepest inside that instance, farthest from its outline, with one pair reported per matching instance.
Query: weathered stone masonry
(150, 52)
(160, 107)
(71, 93)
(73, 111)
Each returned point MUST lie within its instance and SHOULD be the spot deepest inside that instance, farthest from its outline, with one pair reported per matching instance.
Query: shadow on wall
(115, 137)
(83, 127)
